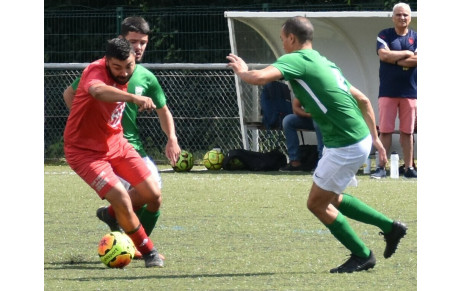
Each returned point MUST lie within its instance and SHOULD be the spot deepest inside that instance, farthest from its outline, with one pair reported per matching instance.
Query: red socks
(142, 242)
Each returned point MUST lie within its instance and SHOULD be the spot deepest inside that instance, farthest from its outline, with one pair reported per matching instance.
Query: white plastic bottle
(394, 165)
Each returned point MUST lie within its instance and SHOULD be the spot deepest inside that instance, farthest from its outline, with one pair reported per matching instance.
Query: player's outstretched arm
(108, 93)
(254, 77)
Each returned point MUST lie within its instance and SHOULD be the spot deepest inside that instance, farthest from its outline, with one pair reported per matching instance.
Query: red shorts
(406, 108)
(101, 170)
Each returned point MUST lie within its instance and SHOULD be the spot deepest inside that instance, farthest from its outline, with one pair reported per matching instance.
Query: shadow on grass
(96, 265)
(75, 265)
(184, 276)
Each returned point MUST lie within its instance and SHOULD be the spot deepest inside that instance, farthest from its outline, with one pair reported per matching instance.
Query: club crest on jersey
(117, 113)
(138, 90)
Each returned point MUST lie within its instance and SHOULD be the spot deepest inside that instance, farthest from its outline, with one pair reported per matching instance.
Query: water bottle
(394, 166)
(367, 166)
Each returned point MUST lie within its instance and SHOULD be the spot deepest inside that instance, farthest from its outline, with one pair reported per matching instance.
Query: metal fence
(194, 34)
(177, 36)
(201, 97)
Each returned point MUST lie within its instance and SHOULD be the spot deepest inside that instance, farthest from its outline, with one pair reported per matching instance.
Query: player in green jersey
(346, 120)
(143, 82)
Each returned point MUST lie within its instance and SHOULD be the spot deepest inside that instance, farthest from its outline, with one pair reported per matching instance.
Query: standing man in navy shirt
(397, 50)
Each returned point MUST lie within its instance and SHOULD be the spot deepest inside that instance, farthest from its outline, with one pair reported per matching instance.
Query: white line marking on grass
(60, 173)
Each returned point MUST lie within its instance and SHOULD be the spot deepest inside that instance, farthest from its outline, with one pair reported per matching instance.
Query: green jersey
(324, 92)
(142, 82)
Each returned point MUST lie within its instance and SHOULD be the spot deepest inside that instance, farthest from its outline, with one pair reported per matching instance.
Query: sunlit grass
(227, 231)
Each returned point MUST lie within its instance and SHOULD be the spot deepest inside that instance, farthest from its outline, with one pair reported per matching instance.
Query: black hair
(135, 24)
(119, 48)
(299, 26)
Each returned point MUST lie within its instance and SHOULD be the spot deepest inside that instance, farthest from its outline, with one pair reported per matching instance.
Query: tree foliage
(182, 30)
(151, 4)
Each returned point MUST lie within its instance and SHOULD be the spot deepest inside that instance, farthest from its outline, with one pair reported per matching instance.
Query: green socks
(342, 231)
(148, 219)
(356, 209)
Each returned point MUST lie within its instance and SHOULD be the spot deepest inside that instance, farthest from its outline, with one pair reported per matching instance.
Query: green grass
(227, 231)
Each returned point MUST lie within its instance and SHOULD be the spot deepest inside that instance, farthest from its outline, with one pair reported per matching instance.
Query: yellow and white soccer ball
(116, 249)
(213, 159)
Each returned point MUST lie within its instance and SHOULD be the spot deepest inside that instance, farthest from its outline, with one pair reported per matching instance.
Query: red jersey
(93, 124)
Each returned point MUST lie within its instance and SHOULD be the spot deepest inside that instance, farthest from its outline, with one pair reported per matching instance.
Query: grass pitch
(223, 230)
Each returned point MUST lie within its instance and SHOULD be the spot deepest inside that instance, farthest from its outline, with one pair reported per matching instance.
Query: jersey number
(341, 83)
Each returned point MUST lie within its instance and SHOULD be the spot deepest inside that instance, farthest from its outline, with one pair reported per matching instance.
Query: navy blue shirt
(397, 81)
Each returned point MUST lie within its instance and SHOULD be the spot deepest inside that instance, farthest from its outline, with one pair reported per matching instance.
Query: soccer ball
(116, 250)
(185, 162)
(213, 159)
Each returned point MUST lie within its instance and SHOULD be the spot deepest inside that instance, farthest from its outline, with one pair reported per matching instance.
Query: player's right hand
(144, 103)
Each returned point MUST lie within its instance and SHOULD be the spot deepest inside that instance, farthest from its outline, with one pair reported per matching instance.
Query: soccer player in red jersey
(96, 150)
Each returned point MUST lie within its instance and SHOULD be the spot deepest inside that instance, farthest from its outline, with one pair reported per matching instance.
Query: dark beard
(116, 79)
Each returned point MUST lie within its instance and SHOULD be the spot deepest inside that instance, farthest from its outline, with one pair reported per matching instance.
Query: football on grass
(213, 159)
(185, 162)
(116, 250)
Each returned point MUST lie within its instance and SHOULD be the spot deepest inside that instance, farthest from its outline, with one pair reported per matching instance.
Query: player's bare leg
(126, 217)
